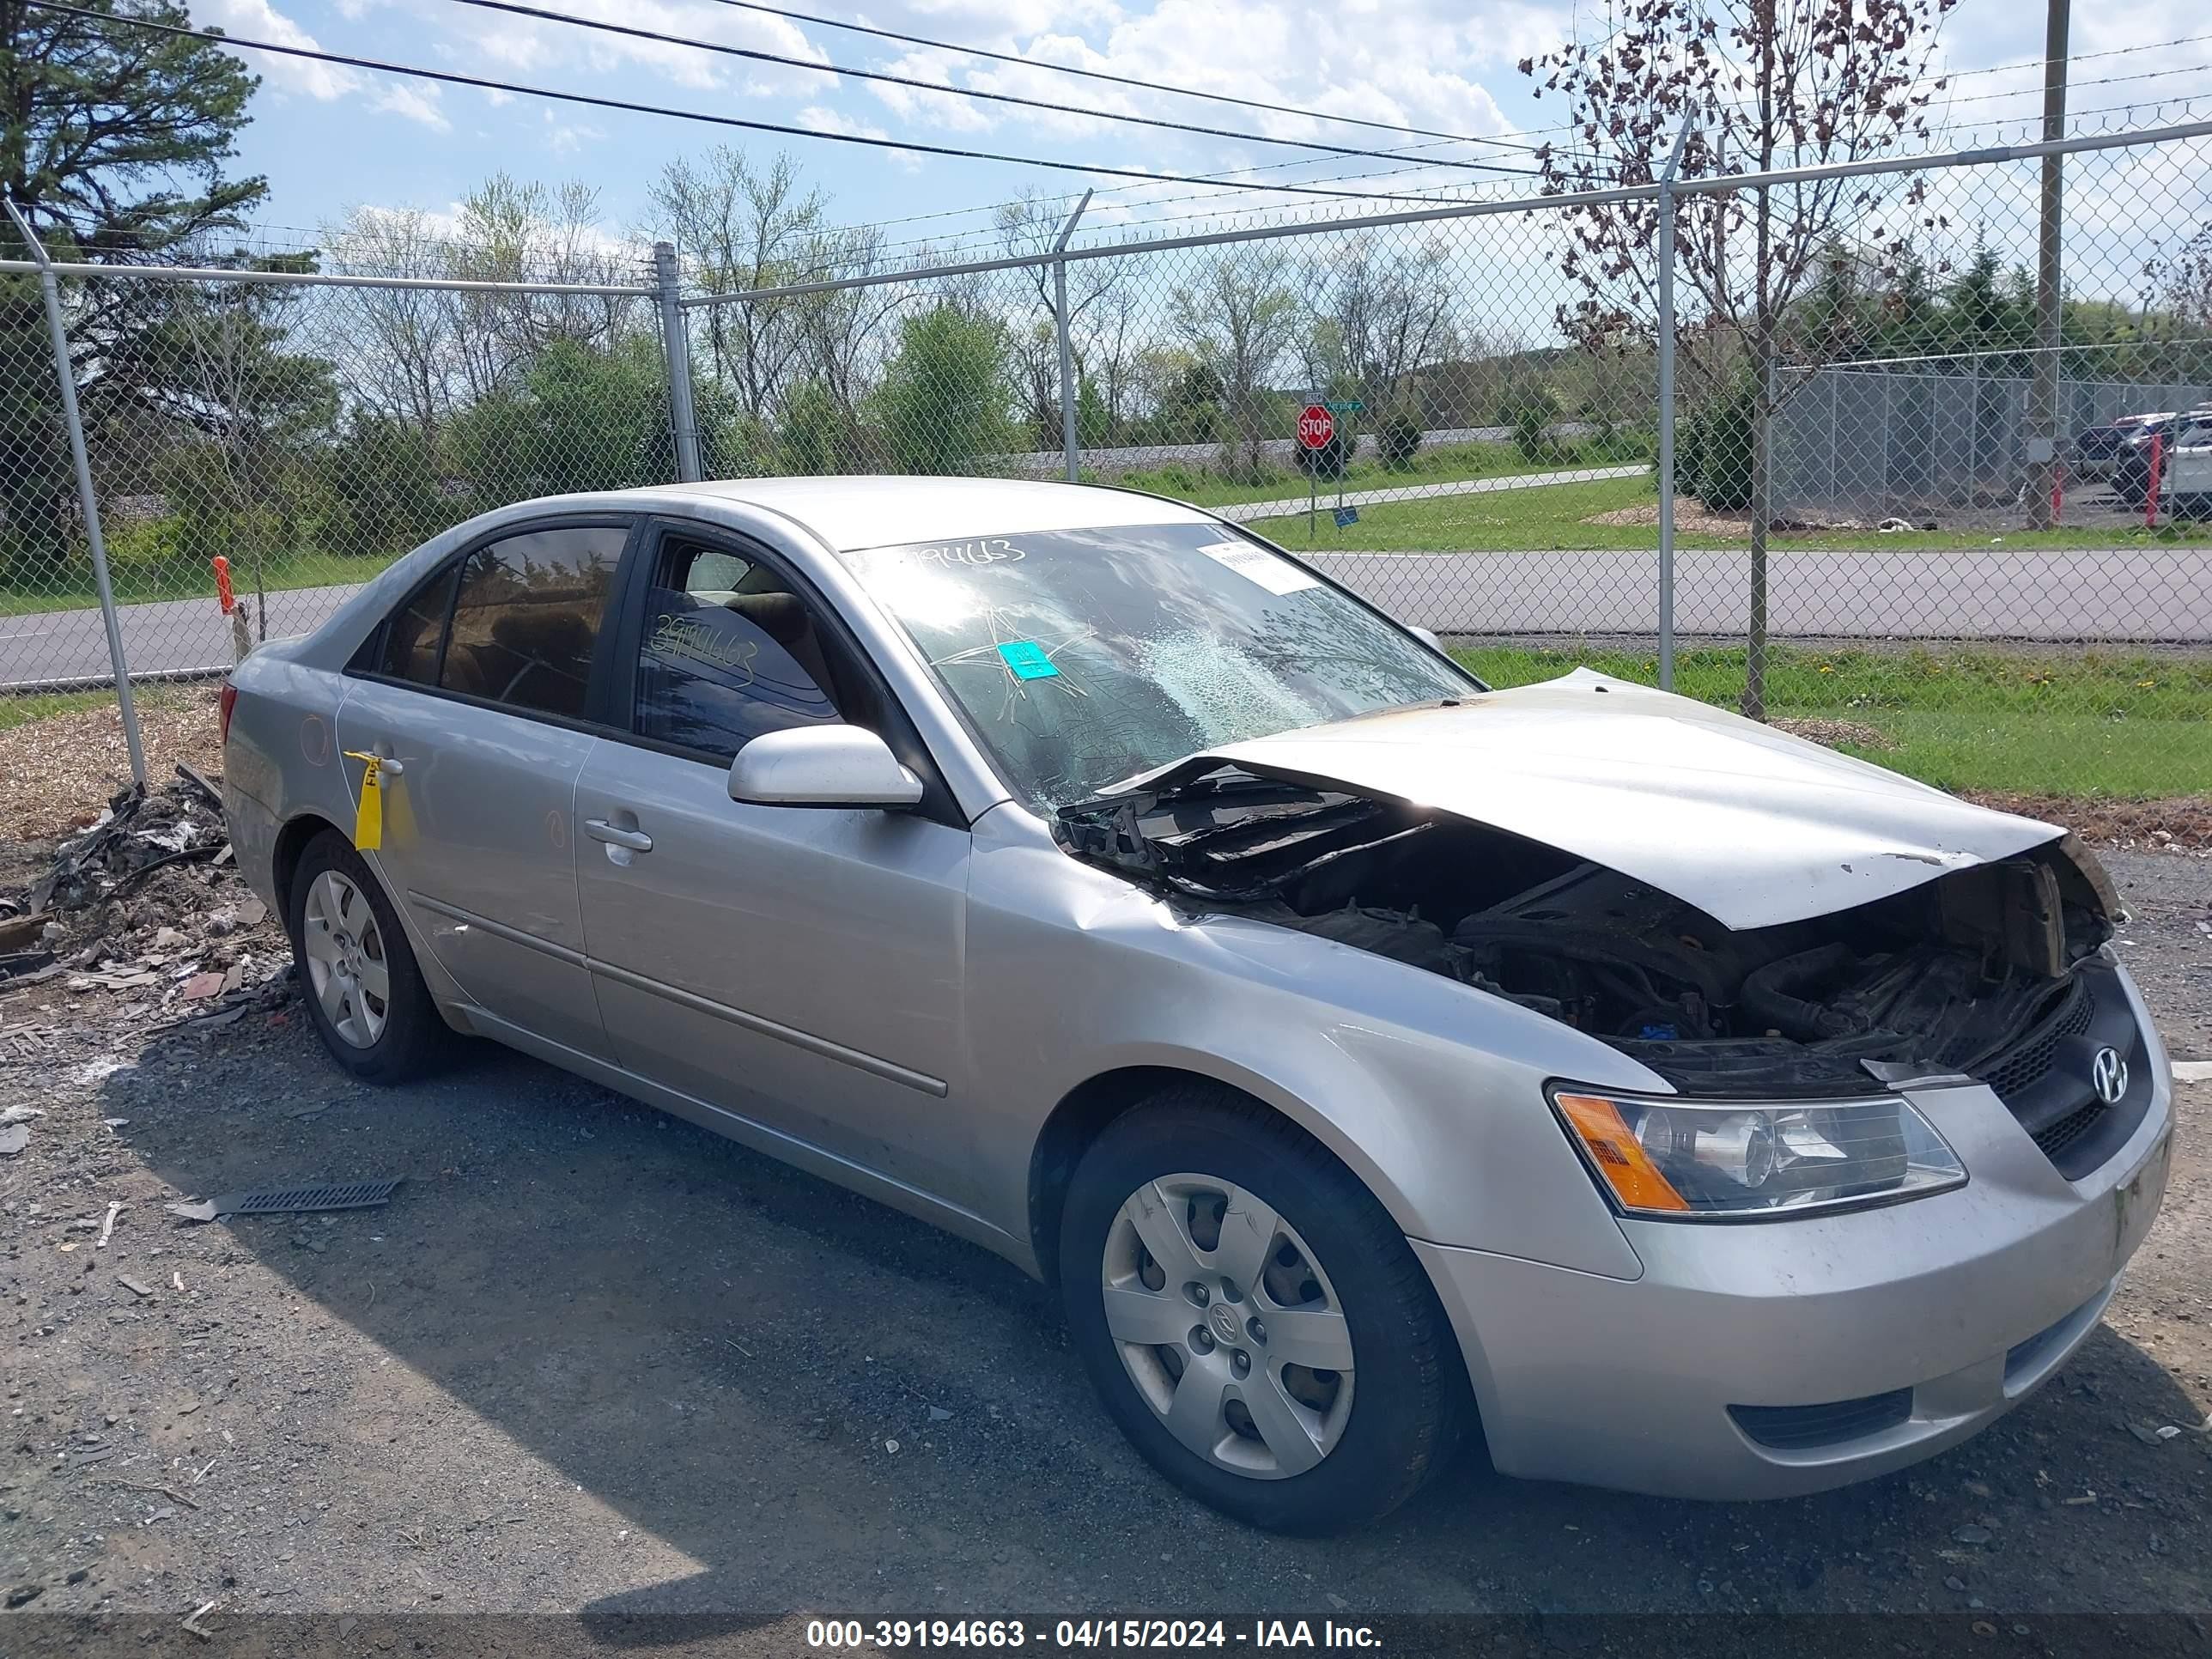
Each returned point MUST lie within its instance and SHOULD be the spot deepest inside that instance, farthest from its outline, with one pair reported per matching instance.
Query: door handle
(614, 835)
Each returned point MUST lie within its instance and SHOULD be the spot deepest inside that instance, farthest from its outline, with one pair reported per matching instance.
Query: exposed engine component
(1945, 977)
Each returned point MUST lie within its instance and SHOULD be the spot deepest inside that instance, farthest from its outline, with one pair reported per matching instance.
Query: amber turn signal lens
(1613, 1151)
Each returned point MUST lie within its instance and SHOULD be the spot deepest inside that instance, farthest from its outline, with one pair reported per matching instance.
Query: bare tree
(1029, 226)
(1385, 311)
(844, 333)
(2180, 284)
(513, 231)
(1238, 319)
(740, 226)
(1763, 84)
(396, 349)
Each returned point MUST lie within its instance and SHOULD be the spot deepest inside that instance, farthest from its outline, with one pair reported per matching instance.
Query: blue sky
(330, 140)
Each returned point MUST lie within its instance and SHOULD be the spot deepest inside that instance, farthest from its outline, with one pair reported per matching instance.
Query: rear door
(800, 967)
(485, 689)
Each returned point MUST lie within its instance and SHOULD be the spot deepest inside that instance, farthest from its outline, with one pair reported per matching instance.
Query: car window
(728, 651)
(416, 630)
(526, 617)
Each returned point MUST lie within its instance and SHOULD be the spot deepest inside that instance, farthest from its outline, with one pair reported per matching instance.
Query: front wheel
(1252, 1317)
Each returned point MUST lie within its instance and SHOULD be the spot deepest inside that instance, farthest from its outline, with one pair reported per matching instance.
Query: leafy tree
(1331, 459)
(383, 483)
(114, 147)
(579, 419)
(1763, 84)
(1398, 439)
(816, 436)
(1529, 407)
(944, 398)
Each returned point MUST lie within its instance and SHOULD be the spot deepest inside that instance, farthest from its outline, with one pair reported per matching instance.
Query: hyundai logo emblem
(2108, 1076)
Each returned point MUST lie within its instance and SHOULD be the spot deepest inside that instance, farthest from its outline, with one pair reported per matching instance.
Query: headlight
(1685, 1159)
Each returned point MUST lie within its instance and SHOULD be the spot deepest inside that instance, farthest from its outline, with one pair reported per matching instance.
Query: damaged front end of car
(1994, 970)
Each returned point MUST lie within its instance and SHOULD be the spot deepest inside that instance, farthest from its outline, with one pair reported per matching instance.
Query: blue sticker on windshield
(1028, 661)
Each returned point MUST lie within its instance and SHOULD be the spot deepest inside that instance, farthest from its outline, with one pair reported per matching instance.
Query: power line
(946, 90)
(596, 101)
(1101, 75)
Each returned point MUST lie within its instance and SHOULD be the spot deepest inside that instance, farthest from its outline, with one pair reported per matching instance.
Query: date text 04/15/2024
(1085, 1634)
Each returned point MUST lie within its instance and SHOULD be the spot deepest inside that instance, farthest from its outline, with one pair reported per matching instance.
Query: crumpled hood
(1751, 825)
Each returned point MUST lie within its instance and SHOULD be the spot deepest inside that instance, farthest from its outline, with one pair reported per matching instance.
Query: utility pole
(2043, 391)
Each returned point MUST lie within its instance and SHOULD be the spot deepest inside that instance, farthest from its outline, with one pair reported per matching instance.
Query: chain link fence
(1917, 510)
(288, 434)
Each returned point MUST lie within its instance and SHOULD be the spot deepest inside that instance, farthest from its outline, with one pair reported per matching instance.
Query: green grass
(73, 590)
(16, 711)
(1549, 516)
(2096, 723)
(1447, 464)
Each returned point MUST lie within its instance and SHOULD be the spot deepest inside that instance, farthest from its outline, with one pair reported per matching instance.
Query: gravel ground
(593, 1360)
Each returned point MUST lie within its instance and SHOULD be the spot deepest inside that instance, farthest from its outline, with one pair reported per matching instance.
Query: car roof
(853, 513)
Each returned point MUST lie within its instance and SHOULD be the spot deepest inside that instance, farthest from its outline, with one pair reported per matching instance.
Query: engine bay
(1942, 978)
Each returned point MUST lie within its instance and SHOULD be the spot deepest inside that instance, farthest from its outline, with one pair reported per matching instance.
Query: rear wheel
(363, 990)
(1252, 1317)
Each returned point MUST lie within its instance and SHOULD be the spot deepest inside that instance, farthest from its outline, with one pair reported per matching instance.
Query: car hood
(1751, 825)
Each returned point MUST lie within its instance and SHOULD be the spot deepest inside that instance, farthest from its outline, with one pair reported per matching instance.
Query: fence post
(65, 376)
(682, 413)
(1071, 455)
(1667, 412)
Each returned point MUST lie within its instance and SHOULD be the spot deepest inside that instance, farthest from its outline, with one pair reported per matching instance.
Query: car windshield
(1083, 657)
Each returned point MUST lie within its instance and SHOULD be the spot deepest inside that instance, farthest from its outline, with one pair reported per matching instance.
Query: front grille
(2059, 1136)
(2044, 1082)
(1807, 1428)
(2029, 1064)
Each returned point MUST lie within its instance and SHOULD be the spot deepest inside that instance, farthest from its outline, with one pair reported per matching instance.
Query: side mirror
(821, 766)
(1426, 636)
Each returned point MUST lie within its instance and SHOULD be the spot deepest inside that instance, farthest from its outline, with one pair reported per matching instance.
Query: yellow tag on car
(368, 817)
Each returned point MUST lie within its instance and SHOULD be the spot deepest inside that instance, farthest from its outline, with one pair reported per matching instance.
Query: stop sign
(1316, 426)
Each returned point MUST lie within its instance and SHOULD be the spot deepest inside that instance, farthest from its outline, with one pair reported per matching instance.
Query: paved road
(1327, 499)
(2137, 594)
(1111, 462)
(57, 649)
(2114, 593)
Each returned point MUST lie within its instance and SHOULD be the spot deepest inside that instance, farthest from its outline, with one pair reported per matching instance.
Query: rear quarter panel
(281, 760)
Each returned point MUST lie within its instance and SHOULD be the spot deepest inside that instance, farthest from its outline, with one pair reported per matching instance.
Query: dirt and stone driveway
(593, 1360)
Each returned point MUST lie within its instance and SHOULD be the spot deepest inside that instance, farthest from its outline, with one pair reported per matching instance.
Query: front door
(798, 966)
(481, 695)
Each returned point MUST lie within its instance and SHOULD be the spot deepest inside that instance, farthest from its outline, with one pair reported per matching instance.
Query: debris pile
(146, 904)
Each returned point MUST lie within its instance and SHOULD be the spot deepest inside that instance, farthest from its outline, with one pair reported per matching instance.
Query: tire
(394, 1037)
(1361, 1438)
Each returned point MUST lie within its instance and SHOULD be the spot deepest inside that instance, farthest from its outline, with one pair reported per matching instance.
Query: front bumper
(1912, 1326)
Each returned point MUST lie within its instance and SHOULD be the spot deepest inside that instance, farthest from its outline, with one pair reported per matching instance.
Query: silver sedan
(1374, 1061)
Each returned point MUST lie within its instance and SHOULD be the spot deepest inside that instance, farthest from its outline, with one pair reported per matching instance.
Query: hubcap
(346, 966)
(1228, 1326)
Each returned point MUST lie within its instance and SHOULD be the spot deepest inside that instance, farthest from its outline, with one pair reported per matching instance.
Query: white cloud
(259, 20)
(415, 103)
(816, 118)
(566, 138)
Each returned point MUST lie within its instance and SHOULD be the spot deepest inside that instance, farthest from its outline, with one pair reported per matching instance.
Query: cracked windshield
(1083, 657)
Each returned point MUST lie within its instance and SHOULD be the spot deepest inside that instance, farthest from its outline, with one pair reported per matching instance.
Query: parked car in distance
(1374, 1060)
(2131, 468)
(2097, 449)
